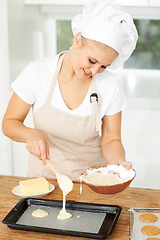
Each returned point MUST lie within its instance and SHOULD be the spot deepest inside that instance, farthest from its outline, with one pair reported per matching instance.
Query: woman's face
(91, 58)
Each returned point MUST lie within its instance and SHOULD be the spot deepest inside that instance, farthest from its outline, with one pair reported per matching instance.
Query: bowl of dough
(108, 179)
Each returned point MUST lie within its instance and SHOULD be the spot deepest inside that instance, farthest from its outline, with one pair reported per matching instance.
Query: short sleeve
(117, 102)
(111, 92)
(23, 86)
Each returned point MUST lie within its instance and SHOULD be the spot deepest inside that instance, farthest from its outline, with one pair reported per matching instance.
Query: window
(64, 35)
(147, 52)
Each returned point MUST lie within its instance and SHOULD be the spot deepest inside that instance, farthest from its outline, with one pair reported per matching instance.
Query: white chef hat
(105, 21)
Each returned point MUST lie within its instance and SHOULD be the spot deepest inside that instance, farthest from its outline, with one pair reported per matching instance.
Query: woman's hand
(126, 164)
(37, 145)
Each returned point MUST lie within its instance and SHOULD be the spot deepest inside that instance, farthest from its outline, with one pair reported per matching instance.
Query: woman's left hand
(126, 164)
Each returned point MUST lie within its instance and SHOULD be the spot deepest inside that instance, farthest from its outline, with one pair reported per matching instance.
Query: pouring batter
(66, 186)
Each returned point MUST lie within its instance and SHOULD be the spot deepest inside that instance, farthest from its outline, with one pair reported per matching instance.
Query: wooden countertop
(131, 197)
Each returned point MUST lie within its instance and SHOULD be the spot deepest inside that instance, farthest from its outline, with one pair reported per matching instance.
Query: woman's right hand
(37, 145)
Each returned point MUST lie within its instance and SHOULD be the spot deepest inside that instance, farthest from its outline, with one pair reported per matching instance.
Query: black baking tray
(110, 215)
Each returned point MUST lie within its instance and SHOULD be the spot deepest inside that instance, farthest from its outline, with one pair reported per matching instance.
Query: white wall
(141, 138)
(140, 124)
(5, 146)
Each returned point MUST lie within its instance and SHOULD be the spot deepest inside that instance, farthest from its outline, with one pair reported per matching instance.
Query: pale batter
(39, 213)
(100, 179)
(66, 185)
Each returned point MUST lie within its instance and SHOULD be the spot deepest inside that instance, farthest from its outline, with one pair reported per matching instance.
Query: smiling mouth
(86, 73)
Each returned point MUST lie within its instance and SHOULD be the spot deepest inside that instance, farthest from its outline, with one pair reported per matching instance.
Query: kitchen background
(33, 29)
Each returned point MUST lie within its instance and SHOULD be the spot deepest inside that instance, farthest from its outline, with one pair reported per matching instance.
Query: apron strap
(95, 99)
(55, 76)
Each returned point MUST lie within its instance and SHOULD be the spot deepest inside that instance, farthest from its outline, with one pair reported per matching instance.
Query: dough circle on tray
(39, 213)
(148, 217)
(150, 230)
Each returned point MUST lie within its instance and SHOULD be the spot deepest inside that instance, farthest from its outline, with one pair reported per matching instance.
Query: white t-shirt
(33, 83)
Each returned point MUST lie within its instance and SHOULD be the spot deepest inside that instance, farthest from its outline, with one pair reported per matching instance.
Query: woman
(76, 102)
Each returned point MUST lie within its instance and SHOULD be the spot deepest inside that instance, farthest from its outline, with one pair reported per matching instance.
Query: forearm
(113, 152)
(16, 130)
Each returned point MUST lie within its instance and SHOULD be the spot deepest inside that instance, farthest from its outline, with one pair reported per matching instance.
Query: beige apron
(74, 141)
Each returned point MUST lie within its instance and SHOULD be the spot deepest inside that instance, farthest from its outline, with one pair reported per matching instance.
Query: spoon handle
(53, 168)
